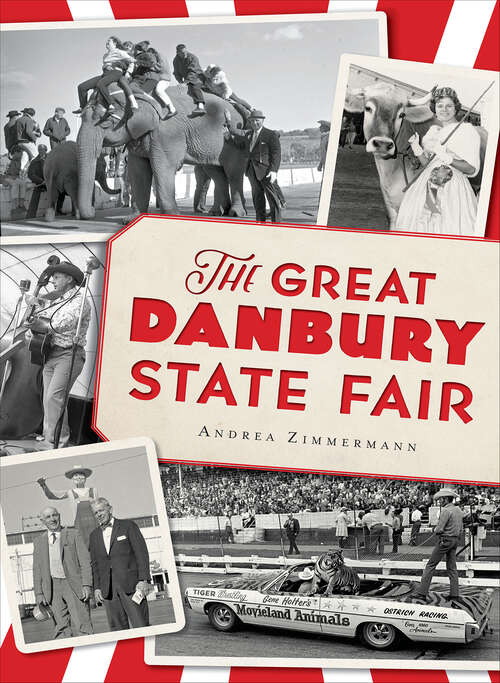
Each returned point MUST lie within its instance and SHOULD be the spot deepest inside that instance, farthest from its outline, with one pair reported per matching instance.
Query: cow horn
(419, 101)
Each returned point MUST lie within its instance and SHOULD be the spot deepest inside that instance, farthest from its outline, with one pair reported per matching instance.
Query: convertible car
(381, 613)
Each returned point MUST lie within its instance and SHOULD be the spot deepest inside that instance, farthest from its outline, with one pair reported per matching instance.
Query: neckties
(54, 537)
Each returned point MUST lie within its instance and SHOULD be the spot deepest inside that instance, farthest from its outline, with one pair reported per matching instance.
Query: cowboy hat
(445, 493)
(78, 469)
(256, 114)
(13, 112)
(29, 110)
(306, 574)
(322, 122)
(68, 269)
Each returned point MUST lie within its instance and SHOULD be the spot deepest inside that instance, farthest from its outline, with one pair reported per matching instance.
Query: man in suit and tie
(62, 576)
(120, 567)
(263, 148)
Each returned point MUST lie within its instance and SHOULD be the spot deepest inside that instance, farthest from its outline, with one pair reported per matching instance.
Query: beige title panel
(303, 348)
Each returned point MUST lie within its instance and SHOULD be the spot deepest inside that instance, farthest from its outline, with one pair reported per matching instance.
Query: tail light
(471, 631)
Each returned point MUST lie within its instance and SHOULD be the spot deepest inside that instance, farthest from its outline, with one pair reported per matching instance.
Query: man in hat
(27, 133)
(9, 130)
(449, 529)
(187, 69)
(62, 310)
(15, 153)
(57, 128)
(324, 129)
(62, 576)
(307, 578)
(263, 149)
(120, 567)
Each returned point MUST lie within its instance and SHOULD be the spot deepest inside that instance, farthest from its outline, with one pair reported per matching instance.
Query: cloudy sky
(289, 70)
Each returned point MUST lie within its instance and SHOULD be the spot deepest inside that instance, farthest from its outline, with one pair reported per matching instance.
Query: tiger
(339, 578)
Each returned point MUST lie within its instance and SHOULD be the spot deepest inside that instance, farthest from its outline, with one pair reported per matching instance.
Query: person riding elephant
(187, 70)
(116, 63)
(157, 150)
(151, 72)
(216, 82)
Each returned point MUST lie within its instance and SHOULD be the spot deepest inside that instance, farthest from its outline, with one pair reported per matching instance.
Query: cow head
(385, 110)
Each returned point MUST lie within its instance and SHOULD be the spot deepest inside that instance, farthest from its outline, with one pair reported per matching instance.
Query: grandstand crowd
(196, 491)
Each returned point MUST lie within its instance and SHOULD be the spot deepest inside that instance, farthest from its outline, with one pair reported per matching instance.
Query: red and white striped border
(456, 32)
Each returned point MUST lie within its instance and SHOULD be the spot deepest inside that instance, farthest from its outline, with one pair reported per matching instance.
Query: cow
(390, 118)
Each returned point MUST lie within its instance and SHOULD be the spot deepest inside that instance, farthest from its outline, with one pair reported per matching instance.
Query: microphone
(53, 260)
(92, 264)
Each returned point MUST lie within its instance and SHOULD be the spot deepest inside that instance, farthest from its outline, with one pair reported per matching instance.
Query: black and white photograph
(217, 116)
(87, 549)
(412, 148)
(284, 568)
(49, 325)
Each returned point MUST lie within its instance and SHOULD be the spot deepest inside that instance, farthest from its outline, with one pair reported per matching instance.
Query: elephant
(157, 149)
(61, 177)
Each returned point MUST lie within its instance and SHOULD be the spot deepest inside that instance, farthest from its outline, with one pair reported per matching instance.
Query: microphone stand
(91, 265)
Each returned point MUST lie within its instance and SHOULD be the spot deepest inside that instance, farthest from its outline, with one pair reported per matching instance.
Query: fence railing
(228, 564)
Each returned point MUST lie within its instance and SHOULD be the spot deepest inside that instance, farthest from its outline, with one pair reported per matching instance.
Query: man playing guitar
(60, 311)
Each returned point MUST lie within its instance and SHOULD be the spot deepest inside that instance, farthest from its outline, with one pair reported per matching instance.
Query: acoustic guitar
(41, 341)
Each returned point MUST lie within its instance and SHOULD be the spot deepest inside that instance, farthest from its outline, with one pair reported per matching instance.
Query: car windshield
(291, 581)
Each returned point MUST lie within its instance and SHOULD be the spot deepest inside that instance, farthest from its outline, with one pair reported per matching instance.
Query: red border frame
(270, 227)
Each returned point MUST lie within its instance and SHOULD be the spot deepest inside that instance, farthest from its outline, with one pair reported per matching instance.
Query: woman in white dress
(442, 200)
(80, 497)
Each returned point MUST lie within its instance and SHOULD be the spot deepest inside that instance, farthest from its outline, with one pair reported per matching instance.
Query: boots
(166, 102)
(170, 111)
(199, 110)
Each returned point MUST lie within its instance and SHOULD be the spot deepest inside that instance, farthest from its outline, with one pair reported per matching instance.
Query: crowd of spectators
(195, 491)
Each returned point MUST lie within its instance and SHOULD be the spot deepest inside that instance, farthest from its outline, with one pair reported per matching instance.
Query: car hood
(251, 582)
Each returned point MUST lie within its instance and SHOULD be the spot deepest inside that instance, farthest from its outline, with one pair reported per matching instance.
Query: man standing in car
(448, 530)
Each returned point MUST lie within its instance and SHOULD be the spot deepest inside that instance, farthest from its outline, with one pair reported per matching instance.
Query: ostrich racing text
(318, 329)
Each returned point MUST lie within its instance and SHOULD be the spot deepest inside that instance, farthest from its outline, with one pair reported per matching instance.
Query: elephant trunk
(89, 141)
(102, 179)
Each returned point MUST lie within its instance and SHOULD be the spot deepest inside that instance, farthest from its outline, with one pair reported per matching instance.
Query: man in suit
(263, 148)
(62, 576)
(120, 566)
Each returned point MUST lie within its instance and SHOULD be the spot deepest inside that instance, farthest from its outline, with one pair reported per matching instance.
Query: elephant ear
(139, 124)
(146, 118)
